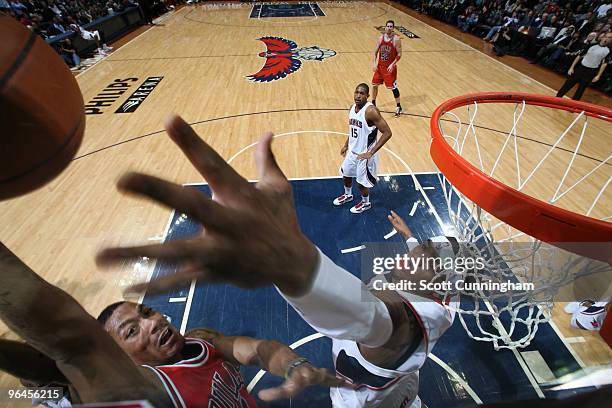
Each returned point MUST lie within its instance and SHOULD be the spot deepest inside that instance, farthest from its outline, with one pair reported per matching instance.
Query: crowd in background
(50, 18)
(550, 33)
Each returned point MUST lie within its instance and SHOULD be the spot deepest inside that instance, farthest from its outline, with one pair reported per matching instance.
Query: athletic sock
(348, 190)
(365, 199)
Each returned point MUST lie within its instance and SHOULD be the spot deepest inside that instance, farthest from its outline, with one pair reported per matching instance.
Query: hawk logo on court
(283, 58)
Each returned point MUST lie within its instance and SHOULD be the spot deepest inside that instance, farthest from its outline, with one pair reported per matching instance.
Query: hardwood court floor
(204, 56)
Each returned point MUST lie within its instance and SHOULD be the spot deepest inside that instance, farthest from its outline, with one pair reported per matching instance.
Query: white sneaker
(398, 111)
(361, 207)
(102, 53)
(571, 307)
(107, 48)
(343, 199)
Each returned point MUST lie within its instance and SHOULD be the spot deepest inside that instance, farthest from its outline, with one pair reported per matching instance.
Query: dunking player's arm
(272, 356)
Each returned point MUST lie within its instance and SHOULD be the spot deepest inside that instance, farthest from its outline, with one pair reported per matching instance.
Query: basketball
(41, 111)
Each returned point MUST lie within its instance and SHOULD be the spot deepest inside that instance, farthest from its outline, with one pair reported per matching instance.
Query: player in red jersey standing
(388, 51)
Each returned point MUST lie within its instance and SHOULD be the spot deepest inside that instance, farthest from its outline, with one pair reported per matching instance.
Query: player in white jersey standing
(360, 148)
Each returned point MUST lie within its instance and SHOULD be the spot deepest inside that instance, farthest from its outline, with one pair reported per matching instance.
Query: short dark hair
(390, 21)
(108, 312)
(365, 86)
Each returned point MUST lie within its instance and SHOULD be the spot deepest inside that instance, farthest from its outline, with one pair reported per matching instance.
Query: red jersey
(204, 381)
(386, 51)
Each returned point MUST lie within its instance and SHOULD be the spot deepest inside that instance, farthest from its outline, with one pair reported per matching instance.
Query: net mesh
(505, 301)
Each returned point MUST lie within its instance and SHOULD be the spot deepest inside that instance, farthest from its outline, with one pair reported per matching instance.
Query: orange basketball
(42, 117)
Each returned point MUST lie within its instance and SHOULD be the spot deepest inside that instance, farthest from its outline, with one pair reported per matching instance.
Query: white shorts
(90, 35)
(365, 171)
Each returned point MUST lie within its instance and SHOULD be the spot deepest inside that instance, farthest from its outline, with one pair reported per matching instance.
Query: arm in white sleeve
(339, 306)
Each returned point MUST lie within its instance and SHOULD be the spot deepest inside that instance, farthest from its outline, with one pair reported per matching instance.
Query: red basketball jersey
(206, 380)
(387, 51)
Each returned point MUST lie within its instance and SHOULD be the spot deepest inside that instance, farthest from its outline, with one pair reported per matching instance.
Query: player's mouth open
(165, 337)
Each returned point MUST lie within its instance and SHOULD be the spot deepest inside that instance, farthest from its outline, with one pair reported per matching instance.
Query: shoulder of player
(372, 111)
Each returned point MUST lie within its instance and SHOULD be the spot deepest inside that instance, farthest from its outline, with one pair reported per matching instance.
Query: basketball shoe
(398, 111)
(343, 199)
(360, 207)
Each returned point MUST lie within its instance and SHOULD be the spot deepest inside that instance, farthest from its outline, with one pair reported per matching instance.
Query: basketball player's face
(389, 28)
(144, 334)
(361, 96)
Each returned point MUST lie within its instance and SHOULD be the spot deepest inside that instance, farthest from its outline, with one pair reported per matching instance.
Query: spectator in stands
(603, 9)
(560, 42)
(538, 29)
(557, 59)
(509, 22)
(468, 20)
(69, 54)
(95, 35)
(525, 22)
(502, 42)
(56, 27)
(585, 23)
(588, 69)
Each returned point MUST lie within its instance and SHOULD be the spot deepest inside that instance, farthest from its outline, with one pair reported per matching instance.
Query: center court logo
(283, 58)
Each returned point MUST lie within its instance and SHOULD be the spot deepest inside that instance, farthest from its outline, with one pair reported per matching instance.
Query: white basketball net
(510, 319)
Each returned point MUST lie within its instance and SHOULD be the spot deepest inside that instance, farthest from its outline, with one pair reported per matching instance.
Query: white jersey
(361, 136)
(380, 387)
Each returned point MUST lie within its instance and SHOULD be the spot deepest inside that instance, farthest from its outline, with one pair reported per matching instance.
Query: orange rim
(541, 220)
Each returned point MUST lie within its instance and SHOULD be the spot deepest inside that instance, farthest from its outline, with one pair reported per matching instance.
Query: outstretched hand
(251, 235)
(300, 378)
(399, 224)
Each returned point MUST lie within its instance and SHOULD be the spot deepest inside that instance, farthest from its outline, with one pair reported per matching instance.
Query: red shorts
(382, 75)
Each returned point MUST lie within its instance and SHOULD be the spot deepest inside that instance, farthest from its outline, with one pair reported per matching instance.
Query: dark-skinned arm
(26, 363)
(53, 322)
(271, 356)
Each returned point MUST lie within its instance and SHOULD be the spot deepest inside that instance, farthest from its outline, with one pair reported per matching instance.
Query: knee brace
(396, 92)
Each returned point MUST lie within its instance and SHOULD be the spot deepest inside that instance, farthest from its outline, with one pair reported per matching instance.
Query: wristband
(412, 243)
(294, 364)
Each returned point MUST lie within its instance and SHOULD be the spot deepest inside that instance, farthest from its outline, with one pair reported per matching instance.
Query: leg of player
(398, 109)
(374, 93)
(365, 201)
(348, 192)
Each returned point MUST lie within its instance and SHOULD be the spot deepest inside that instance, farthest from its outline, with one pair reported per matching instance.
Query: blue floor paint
(262, 313)
(286, 10)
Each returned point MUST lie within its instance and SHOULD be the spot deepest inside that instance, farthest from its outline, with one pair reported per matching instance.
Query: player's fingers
(285, 390)
(328, 380)
(167, 283)
(220, 175)
(174, 251)
(266, 162)
(187, 200)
